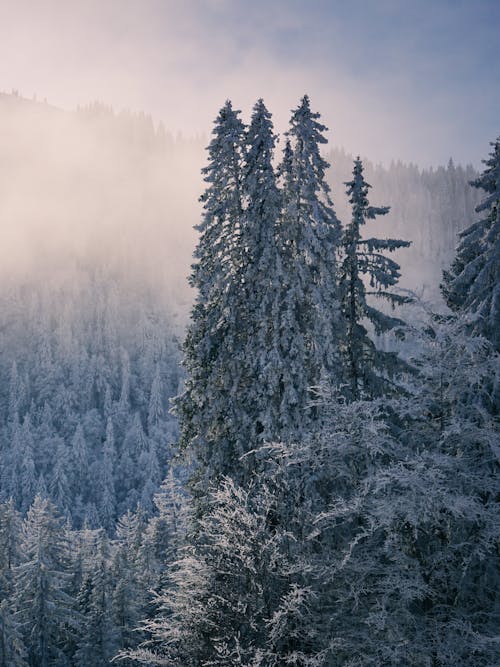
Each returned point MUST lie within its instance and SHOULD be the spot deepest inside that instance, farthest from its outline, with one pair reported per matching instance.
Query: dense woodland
(317, 482)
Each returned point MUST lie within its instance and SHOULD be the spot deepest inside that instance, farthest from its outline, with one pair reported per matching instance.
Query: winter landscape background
(241, 468)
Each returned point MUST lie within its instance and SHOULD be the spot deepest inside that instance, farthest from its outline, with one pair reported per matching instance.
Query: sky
(393, 79)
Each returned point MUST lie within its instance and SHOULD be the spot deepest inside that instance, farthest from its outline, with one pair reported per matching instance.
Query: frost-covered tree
(98, 641)
(259, 388)
(472, 284)
(368, 371)
(150, 470)
(60, 481)
(80, 462)
(265, 325)
(107, 501)
(405, 520)
(27, 472)
(165, 532)
(156, 406)
(238, 596)
(128, 597)
(10, 544)
(211, 358)
(45, 609)
(308, 237)
(12, 647)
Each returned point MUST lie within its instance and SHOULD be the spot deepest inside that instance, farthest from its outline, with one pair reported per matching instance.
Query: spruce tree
(257, 386)
(368, 371)
(472, 284)
(128, 597)
(12, 648)
(265, 325)
(211, 355)
(45, 609)
(98, 642)
(308, 238)
(107, 500)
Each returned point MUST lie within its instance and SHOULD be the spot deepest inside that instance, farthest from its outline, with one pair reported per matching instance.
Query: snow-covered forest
(303, 469)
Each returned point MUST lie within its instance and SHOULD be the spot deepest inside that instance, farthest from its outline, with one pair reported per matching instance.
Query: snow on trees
(472, 284)
(368, 371)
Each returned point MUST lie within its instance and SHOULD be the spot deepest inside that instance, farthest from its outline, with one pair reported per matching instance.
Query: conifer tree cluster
(347, 519)
(273, 274)
(337, 503)
(84, 402)
(77, 597)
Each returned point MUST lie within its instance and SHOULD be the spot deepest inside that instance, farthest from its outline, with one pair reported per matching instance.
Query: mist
(393, 82)
(119, 188)
(97, 188)
(117, 192)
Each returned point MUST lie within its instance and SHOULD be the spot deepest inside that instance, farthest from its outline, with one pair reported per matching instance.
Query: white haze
(78, 190)
(391, 82)
(95, 189)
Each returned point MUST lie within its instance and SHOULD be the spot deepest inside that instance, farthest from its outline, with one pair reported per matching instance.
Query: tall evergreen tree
(128, 598)
(308, 238)
(265, 325)
(368, 371)
(211, 357)
(12, 648)
(107, 501)
(97, 644)
(46, 610)
(472, 285)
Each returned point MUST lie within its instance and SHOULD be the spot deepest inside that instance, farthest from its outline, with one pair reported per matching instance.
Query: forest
(289, 458)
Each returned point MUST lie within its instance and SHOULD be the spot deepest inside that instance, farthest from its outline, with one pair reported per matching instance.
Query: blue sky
(416, 80)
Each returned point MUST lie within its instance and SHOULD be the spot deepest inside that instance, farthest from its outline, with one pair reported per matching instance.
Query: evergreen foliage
(211, 345)
(369, 371)
(80, 420)
(309, 237)
(319, 532)
(46, 611)
(472, 284)
(265, 317)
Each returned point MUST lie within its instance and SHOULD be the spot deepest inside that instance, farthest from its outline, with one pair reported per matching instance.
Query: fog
(112, 188)
(393, 81)
(116, 192)
(96, 188)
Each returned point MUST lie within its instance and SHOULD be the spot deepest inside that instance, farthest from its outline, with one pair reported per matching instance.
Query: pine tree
(166, 530)
(368, 370)
(150, 470)
(308, 237)
(60, 482)
(27, 472)
(235, 597)
(265, 326)
(80, 461)
(97, 644)
(128, 598)
(14, 391)
(107, 501)
(10, 547)
(211, 355)
(260, 388)
(472, 285)
(12, 648)
(156, 402)
(45, 609)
